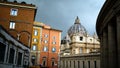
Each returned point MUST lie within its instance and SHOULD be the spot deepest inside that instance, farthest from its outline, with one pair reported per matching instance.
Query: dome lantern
(77, 20)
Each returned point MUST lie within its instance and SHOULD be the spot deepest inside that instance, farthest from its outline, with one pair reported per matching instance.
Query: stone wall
(80, 61)
(13, 54)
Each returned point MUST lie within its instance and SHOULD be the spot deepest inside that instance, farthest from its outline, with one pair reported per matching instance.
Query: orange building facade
(45, 51)
(36, 43)
(17, 19)
(50, 47)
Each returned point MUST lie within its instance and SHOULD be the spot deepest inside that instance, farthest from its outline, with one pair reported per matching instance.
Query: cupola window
(81, 38)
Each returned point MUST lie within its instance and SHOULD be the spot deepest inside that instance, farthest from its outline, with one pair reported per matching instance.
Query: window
(88, 50)
(45, 41)
(46, 35)
(54, 37)
(83, 64)
(54, 42)
(12, 25)
(78, 64)
(45, 48)
(95, 64)
(53, 61)
(19, 58)
(81, 38)
(14, 12)
(44, 61)
(11, 56)
(2, 52)
(91, 40)
(35, 40)
(35, 32)
(34, 47)
(33, 59)
(81, 50)
(53, 49)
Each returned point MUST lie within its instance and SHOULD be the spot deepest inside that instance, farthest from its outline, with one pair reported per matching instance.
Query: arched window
(35, 32)
(53, 62)
(53, 49)
(34, 47)
(45, 48)
(81, 38)
(44, 61)
(33, 59)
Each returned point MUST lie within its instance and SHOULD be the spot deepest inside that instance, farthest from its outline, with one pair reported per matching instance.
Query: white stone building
(78, 41)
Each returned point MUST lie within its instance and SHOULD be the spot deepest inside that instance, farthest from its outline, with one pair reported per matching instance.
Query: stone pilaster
(98, 64)
(72, 64)
(6, 51)
(118, 39)
(112, 46)
(69, 64)
(104, 49)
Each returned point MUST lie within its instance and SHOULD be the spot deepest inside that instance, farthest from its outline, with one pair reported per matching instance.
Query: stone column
(98, 64)
(92, 64)
(118, 39)
(15, 56)
(61, 64)
(81, 64)
(85, 63)
(22, 60)
(78, 62)
(72, 63)
(6, 51)
(38, 57)
(65, 63)
(112, 59)
(69, 64)
(104, 49)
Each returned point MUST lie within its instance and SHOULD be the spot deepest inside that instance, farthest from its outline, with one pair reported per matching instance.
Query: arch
(52, 61)
(44, 61)
(25, 32)
(25, 37)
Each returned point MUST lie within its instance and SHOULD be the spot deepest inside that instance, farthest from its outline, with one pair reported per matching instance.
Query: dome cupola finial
(77, 20)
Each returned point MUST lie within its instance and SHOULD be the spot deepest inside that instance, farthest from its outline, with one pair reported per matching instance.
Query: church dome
(77, 29)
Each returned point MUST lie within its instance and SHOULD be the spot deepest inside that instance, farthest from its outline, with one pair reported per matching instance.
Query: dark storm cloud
(60, 14)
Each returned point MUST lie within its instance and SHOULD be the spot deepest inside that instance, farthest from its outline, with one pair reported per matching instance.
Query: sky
(61, 14)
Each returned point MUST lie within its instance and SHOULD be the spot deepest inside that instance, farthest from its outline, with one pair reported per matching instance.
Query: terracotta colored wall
(24, 21)
(50, 54)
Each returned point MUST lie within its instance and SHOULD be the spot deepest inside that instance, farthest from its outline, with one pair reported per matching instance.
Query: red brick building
(50, 47)
(17, 19)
